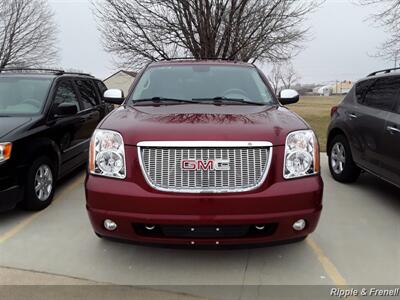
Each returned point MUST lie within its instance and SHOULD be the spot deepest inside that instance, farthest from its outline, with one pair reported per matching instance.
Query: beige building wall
(120, 80)
(342, 87)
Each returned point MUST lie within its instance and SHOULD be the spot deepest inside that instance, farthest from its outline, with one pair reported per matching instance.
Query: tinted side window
(383, 93)
(102, 88)
(362, 88)
(88, 93)
(66, 94)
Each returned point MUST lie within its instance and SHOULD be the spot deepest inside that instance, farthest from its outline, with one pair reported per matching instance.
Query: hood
(203, 122)
(9, 124)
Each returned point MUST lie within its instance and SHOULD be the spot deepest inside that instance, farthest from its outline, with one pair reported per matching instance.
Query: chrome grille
(248, 166)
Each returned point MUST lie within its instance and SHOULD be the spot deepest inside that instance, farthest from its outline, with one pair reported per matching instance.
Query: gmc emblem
(208, 165)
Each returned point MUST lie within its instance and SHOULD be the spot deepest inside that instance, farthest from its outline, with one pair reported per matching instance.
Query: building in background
(315, 90)
(325, 90)
(337, 88)
(342, 88)
(121, 80)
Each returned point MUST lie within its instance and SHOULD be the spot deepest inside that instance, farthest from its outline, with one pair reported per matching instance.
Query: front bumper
(11, 191)
(10, 197)
(279, 205)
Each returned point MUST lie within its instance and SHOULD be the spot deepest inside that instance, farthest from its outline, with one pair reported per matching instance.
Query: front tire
(40, 184)
(341, 164)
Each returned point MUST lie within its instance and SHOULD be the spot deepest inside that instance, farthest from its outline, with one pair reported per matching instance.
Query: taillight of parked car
(333, 110)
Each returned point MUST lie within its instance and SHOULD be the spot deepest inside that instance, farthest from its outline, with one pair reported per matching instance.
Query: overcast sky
(341, 47)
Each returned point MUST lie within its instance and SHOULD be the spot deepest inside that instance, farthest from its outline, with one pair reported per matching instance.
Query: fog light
(259, 227)
(110, 225)
(299, 225)
(150, 227)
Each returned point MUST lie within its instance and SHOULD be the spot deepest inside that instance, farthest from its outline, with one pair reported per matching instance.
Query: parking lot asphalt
(357, 243)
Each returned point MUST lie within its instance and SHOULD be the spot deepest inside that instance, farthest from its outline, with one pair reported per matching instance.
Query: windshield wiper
(220, 99)
(162, 99)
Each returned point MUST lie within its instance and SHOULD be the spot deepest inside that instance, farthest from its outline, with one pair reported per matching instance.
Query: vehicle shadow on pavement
(236, 266)
(380, 190)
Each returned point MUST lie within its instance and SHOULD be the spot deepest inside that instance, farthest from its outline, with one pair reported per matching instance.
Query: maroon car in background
(202, 152)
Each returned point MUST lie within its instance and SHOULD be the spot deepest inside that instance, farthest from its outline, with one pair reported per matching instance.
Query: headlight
(107, 154)
(301, 154)
(5, 151)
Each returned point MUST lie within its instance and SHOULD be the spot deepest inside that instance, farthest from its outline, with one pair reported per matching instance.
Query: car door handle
(353, 116)
(392, 129)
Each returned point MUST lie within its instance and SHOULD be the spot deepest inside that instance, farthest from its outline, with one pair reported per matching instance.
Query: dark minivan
(364, 133)
(46, 120)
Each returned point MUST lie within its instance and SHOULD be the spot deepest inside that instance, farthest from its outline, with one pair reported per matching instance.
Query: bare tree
(283, 75)
(138, 31)
(387, 15)
(275, 77)
(27, 34)
(289, 76)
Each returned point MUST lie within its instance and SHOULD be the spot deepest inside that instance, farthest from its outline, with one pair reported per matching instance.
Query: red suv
(203, 153)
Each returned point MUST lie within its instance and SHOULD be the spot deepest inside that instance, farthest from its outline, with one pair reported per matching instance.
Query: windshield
(202, 83)
(23, 95)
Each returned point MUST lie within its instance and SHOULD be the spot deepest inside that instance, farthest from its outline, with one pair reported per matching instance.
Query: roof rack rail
(43, 70)
(386, 71)
(78, 73)
(55, 71)
(196, 58)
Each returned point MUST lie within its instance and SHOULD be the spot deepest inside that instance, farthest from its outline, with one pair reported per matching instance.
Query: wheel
(341, 164)
(40, 184)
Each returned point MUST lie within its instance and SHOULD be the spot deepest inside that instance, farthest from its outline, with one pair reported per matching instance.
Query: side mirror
(66, 109)
(288, 97)
(114, 96)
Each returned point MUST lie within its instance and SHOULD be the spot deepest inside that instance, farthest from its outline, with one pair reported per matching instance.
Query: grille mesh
(162, 168)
